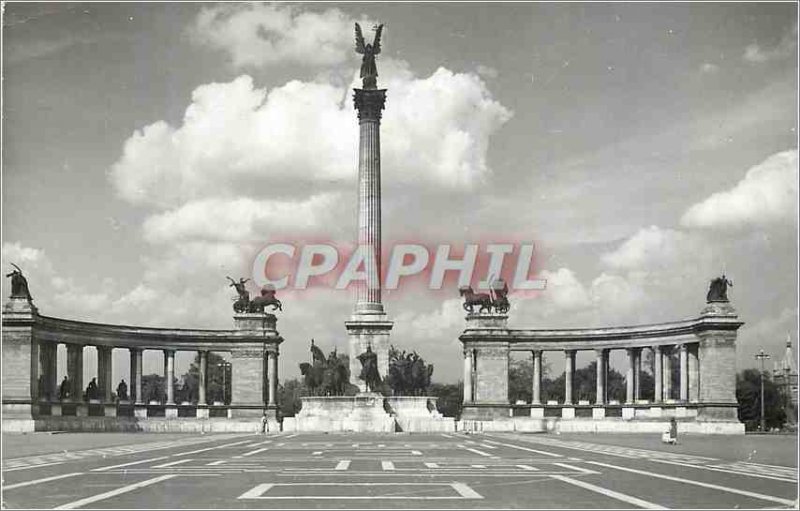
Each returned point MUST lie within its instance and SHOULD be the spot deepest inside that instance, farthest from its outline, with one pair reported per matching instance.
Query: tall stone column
(467, 376)
(629, 376)
(369, 326)
(75, 371)
(104, 372)
(694, 374)
(658, 395)
(273, 378)
(536, 391)
(201, 391)
(169, 374)
(569, 371)
(600, 391)
(136, 375)
(667, 375)
(684, 374)
(47, 371)
(637, 374)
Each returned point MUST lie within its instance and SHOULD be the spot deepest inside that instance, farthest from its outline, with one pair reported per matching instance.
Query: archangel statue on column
(369, 72)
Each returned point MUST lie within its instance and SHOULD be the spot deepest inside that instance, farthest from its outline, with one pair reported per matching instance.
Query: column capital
(369, 103)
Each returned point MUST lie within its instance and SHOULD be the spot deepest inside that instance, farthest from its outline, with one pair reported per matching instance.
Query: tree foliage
(188, 390)
(748, 395)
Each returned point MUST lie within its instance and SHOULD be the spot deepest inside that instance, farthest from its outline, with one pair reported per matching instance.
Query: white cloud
(756, 54)
(653, 247)
(263, 34)
(27, 258)
(708, 67)
(564, 290)
(240, 219)
(237, 139)
(768, 194)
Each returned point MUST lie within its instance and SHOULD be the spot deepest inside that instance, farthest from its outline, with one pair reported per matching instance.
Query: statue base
(368, 330)
(360, 413)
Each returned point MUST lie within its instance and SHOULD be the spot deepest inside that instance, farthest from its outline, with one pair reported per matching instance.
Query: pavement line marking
(465, 491)
(381, 445)
(527, 467)
(478, 466)
(387, 465)
(214, 463)
(259, 491)
(416, 453)
(32, 466)
(476, 451)
(278, 445)
(193, 452)
(37, 481)
(292, 436)
(717, 469)
(343, 465)
(316, 453)
(609, 493)
(446, 436)
(114, 493)
(698, 483)
(103, 469)
(431, 465)
(577, 469)
(554, 455)
(172, 463)
(488, 446)
(255, 452)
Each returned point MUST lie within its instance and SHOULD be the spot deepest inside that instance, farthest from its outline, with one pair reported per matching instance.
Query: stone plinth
(360, 413)
(717, 360)
(368, 330)
(418, 414)
(20, 361)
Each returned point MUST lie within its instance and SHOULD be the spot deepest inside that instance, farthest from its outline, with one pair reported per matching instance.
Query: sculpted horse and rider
(244, 303)
(496, 298)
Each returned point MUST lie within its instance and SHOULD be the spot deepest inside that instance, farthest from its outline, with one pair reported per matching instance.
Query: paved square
(431, 471)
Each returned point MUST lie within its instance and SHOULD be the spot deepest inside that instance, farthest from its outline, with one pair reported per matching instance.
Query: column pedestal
(368, 330)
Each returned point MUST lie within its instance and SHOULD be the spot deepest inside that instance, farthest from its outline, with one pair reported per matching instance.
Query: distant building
(784, 375)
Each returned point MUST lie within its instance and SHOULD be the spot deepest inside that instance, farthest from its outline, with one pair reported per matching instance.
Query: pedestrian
(264, 424)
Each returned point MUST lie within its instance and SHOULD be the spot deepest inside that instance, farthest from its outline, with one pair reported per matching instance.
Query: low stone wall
(609, 425)
(130, 425)
(418, 414)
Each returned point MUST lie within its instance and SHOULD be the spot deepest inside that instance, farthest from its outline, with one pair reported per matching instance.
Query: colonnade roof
(618, 337)
(51, 329)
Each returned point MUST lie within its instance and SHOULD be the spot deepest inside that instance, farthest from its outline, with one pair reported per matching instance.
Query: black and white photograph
(399, 255)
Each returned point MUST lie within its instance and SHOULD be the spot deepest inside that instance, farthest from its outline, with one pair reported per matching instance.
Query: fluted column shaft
(659, 378)
(684, 374)
(201, 391)
(273, 377)
(667, 374)
(600, 377)
(75, 371)
(629, 376)
(467, 376)
(104, 372)
(569, 370)
(536, 391)
(169, 374)
(369, 104)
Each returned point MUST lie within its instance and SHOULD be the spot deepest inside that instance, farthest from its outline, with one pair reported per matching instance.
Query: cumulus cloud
(708, 67)
(652, 247)
(235, 136)
(264, 34)
(240, 219)
(28, 258)
(756, 54)
(767, 195)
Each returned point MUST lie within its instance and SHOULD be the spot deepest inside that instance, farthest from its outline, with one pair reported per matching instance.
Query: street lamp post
(761, 356)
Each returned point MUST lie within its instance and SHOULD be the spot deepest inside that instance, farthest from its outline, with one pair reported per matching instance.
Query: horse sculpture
(267, 298)
(471, 299)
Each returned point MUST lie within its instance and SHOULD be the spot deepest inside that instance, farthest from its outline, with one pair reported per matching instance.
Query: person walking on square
(264, 424)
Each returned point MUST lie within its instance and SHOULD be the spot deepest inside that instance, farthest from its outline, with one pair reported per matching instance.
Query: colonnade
(47, 371)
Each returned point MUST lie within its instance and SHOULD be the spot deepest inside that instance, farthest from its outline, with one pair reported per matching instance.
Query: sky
(151, 149)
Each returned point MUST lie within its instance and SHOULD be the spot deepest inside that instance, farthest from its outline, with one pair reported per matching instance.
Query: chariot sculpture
(243, 303)
(496, 299)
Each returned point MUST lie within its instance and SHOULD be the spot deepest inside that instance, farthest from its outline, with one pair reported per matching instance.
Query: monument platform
(368, 412)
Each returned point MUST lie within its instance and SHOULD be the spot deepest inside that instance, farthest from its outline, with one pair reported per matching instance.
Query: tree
(748, 394)
(289, 397)
(153, 388)
(215, 378)
(584, 385)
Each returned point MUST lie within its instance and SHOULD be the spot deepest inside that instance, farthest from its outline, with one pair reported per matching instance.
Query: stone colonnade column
(75, 371)
(468, 397)
(658, 395)
(136, 375)
(104, 372)
(569, 372)
(169, 374)
(684, 372)
(637, 374)
(273, 378)
(48, 368)
(600, 390)
(201, 392)
(629, 375)
(667, 373)
(694, 373)
(536, 390)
